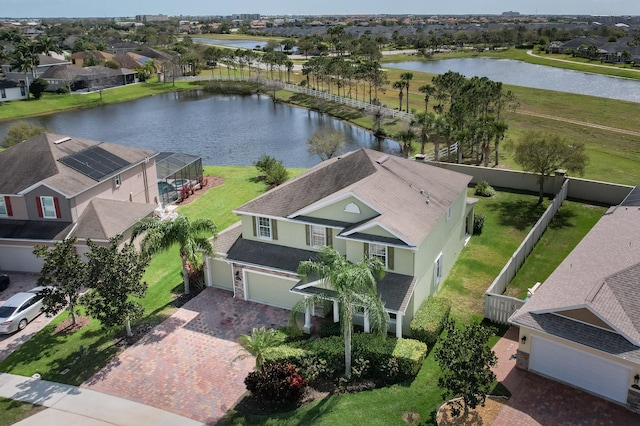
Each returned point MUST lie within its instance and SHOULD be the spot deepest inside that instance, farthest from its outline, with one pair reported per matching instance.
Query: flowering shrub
(276, 384)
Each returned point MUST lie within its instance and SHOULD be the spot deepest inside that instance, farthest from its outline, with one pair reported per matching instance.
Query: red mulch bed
(207, 183)
(65, 327)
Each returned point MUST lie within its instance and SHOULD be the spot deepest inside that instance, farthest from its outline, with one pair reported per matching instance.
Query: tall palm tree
(407, 77)
(400, 85)
(192, 237)
(428, 91)
(406, 136)
(426, 123)
(45, 45)
(352, 286)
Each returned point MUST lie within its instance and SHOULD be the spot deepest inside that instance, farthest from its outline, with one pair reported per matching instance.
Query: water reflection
(519, 73)
(223, 130)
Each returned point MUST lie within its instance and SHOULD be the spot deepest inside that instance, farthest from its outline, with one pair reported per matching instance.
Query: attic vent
(381, 160)
(59, 141)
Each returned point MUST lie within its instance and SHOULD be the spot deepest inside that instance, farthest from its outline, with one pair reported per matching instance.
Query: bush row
(384, 358)
(428, 322)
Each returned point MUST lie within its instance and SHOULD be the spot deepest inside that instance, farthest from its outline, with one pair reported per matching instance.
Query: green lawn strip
(508, 218)
(572, 222)
(14, 411)
(51, 103)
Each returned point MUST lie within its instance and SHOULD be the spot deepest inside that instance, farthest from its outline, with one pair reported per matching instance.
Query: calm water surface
(223, 130)
(519, 73)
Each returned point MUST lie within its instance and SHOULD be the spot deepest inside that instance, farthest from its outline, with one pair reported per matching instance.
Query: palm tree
(426, 122)
(352, 286)
(428, 91)
(400, 85)
(499, 129)
(406, 136)
(261, 339)
(161, 235)
(407, 77)
(45, 45)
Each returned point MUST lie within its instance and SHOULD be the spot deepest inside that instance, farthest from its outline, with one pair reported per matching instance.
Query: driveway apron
(189, 364)
(536, 400)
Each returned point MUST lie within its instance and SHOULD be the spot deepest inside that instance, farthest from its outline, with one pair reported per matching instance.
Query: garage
(595, 374)
(270, 289)
(19, 259)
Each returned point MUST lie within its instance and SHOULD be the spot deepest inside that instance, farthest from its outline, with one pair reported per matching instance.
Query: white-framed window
(48, 207)
(3, 93)
(117, 181)
(3, 207)
(318, 236)
(378, 251)
(449, 212)
(264, 228)
(437, 270)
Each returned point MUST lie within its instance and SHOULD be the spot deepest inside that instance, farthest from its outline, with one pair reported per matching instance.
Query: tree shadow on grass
(564, 218)
(518, 214)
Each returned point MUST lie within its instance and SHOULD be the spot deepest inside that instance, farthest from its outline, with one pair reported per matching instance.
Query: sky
(122, 8)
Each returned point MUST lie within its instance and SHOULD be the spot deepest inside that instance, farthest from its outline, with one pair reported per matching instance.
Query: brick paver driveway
(188, 364)
(536, 400)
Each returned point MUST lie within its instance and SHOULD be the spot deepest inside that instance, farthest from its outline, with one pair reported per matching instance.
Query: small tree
(21, 131)
(274, 172)
(115, 278)
(325, 143)
(64, 273)
(466, 360)
(260, 339)
(37, 87)
(545, 153)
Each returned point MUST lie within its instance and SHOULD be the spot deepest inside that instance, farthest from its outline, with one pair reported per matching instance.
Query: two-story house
(54, 186)
(413, 216)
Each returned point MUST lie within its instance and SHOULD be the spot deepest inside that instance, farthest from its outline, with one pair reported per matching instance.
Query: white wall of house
(13, 94)
(17, 256)
(219, 273)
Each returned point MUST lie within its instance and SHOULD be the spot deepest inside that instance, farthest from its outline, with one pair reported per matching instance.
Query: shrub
(37, 87)
(276, 384)
(483, 189)
(274, 172)
(290, 333)
(478, 223)
(429, 321)
(330, 328)
(62, 90)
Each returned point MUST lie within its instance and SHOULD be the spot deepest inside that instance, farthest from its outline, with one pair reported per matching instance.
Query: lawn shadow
(518, 214)
(84, 363)
(33, 349)
(563, 219)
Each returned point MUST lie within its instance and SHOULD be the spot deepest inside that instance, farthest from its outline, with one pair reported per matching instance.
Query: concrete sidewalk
(71, 406)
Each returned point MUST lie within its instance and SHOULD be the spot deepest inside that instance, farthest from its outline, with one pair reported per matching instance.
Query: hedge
(428, 322)
(388, 358)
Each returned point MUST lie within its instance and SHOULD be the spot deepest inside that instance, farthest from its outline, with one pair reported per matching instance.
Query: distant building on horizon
(151, 18)
(245, 16)
(510, 13)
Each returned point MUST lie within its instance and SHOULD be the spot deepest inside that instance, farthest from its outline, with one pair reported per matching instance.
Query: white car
(19, 310)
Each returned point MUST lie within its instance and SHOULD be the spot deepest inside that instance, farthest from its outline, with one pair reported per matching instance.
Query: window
(318, 236)
(264, 228)
(437, 270)
(23, 92)
(117, 181)
(3, 207)
(449, 212)
(3, 93)
(379, 251)
(48, 207)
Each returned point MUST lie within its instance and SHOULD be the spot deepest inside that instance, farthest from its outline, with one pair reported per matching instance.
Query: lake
(223, 130)
(519, 73)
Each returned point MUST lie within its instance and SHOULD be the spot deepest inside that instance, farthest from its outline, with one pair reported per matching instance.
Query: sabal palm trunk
(185, 275)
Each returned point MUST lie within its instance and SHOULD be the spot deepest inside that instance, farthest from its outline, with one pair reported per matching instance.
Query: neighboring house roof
(105, 56)
(42, 150)
(50, 60)
(8, 84)
(63, 72)
(599, 278)
(103, 219)
(409, 196)
(131, 60)
(45, 230)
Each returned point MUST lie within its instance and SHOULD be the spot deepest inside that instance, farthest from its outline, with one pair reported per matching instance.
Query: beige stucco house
(413, 216)
(54, 186)
(582, 326)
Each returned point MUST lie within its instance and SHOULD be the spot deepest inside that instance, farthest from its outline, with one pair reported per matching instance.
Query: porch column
(307, 320)
(336, 311)
(399, 325)
(207, 271)
(366, 321)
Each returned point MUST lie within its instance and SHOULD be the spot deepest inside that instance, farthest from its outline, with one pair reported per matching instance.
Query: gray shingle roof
(104, 219)
(601, 274)
(397, 188)
(269, 255)
(18, 173)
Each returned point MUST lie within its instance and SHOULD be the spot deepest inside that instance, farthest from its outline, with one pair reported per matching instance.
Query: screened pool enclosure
(178, 175)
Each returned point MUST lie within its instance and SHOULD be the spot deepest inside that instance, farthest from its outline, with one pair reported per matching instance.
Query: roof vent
(59, 141)
(381, 160)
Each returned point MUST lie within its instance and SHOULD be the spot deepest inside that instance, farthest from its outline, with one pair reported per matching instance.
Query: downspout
(144, 178)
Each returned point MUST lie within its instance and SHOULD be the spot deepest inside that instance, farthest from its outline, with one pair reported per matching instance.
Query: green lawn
(14, 411)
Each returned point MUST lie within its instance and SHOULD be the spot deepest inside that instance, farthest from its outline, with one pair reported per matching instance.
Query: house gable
(347, 208)
(585, 315)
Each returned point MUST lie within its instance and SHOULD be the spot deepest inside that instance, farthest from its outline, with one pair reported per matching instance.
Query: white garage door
(19, 259)
(271, 290)
(595, 374)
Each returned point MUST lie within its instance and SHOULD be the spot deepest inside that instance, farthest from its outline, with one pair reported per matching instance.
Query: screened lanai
(177, 173)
